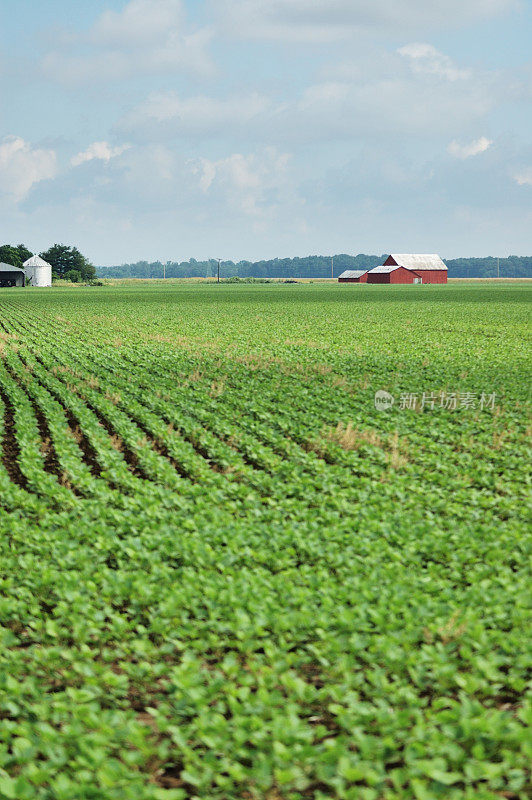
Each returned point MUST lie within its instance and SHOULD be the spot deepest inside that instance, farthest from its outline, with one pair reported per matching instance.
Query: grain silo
(38, 271)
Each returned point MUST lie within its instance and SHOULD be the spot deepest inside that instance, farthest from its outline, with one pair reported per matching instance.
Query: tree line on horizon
(309, 267)
(66, 261)
(70, 264)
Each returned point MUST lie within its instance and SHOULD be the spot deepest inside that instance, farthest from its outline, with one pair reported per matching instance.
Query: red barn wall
(399, 275)
(379, 277)
(402, 275)
(363, 279)
(434, 275)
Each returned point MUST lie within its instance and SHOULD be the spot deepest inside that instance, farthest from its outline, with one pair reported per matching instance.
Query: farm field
(225, 575)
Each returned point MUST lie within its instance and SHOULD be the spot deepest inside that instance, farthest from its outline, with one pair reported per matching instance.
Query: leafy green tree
(10, 255)
(23, 252)
(64, 259)
(73, 275)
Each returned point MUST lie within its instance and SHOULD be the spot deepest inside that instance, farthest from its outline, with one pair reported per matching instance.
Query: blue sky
(165, 129)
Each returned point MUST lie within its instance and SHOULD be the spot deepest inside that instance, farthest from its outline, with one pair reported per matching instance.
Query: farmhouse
(409, 268)
(38, 271)
(353, 276)
(11, 276)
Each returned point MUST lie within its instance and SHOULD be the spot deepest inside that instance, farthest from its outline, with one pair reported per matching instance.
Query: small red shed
(353, 276)
(393, 274)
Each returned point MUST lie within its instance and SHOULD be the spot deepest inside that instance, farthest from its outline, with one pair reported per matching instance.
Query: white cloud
(324, 93)
(349, 100)
(424, 58)
(253, 183)
(255, 189)
(146, 37)
(200, 115)
(138, 23)
(22, 166)
(319, 21)
(474, 148)
(101, 151)
(389, 97)
(153, 173)
(524, 177)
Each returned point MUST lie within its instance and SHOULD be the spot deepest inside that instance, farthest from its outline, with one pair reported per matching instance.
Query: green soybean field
(229, 571)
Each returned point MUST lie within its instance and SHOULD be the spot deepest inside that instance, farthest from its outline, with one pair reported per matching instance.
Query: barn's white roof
(9, 268)
(36, 261)
(353, 273)
(418, 261)
(383, 269)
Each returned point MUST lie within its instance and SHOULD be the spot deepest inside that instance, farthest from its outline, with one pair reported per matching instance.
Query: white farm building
(38, 271)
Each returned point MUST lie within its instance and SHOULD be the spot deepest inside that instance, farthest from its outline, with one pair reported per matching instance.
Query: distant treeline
(310, 267)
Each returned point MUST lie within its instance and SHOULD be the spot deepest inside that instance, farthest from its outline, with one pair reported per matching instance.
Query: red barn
(393, 274)
(353, 276)
(409, 268)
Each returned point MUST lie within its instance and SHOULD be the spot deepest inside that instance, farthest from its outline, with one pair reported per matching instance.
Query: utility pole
(218, 260)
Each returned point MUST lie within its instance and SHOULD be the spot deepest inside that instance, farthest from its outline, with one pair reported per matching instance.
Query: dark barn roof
(9, 268)
(11, 276)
